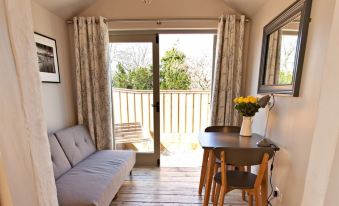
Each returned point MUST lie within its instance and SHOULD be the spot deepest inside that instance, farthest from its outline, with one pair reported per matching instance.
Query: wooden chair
(228, 180)
(230, 129)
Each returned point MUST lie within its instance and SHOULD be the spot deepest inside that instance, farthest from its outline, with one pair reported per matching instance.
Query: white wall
(158, 9)
(292, 120)
(322, 175)
(58, 99)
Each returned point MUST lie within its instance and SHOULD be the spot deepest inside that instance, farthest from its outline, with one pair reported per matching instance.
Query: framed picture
(47, 58)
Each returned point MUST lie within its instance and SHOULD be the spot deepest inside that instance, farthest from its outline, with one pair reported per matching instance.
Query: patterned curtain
(228, 70)
(92, 77)
(273, 59)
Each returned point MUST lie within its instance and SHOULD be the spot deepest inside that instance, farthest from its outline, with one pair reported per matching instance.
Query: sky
(193, 45)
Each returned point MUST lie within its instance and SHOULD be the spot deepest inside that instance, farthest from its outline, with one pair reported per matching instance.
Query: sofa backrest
(59, 159)
(76, 143)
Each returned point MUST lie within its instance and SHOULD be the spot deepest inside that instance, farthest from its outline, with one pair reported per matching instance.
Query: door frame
(143, 158)
(153, 159)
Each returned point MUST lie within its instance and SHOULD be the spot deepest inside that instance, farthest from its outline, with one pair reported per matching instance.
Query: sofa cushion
(95, 180)
(76, 142)
(59, 159)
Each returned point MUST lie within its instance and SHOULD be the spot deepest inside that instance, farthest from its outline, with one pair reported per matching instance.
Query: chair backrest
(244, 157)
(234, 129)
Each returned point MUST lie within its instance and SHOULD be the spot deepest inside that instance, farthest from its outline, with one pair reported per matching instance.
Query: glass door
(134, 61)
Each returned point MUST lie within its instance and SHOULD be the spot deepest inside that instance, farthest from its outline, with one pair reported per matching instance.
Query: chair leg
(243, 193)
(257, 198)
(217, 194)
(222, 196)
(213, 185)
(250, 200)
(203, 171)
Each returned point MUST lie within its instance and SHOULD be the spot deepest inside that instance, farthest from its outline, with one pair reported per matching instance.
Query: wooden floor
(166, 186)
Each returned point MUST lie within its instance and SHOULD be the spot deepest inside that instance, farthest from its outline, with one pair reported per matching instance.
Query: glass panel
(185, 84)
(132, 82)
(281, 55)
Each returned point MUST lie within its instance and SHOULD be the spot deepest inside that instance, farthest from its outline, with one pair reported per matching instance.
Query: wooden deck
(165, 187)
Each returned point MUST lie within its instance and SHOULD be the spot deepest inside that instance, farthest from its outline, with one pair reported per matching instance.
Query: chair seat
(238, 179)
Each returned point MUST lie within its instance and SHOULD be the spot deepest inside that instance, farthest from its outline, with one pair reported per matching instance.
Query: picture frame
(47, 55)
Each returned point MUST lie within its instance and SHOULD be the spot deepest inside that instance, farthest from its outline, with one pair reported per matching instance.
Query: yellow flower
(240, 100)
(235, 100)
(246, 100)
(253, 99)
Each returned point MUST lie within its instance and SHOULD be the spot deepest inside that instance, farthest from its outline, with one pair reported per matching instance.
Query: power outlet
(277, 194)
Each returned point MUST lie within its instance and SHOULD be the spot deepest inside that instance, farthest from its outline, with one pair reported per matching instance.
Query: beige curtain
(228, 70)
(273, 59)
(92, 79)
(26, 172)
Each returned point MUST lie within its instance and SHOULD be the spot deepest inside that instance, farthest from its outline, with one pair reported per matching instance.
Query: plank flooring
(165, 187)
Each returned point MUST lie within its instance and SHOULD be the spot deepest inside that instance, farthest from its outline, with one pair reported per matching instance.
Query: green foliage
(120, 78)
(247, 109)
(173, 72)
(141, 78)
(285, 77)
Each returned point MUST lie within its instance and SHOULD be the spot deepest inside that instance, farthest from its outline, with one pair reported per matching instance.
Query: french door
(134, 61)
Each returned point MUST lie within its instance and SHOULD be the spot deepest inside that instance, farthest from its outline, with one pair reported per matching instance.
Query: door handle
(156, 106)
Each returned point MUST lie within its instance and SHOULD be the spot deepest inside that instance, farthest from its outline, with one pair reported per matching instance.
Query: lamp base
(264, 143)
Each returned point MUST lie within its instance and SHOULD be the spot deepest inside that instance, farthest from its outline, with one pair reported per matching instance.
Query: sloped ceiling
(248, 7)
(69, 8)
(65, 8)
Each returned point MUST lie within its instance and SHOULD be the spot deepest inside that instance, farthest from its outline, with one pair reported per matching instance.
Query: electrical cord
(274, 146)
(270, 198)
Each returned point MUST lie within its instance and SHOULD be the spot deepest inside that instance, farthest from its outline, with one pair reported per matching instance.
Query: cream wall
(58, 99)
(322, 181)
(292, 121)
(158, 9)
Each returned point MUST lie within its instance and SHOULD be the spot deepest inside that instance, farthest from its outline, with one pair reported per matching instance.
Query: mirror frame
(304, 7)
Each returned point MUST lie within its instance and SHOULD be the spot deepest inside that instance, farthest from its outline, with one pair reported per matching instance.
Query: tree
(120, 78)
(200, 71)
(141, 78)
(173, 72)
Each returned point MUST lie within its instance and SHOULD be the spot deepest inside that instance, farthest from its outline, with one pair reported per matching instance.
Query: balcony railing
(181, 111)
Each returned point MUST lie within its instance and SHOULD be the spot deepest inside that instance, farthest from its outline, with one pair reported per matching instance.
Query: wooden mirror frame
(304, 7)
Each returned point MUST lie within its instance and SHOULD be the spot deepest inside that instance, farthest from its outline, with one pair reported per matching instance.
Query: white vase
(246, 127)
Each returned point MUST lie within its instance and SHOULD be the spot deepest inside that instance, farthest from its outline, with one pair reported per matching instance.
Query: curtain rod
(160, 20)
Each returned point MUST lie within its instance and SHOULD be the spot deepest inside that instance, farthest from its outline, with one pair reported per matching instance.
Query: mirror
(283, 49)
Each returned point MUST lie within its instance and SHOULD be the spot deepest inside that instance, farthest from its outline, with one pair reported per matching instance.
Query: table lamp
(263, 102)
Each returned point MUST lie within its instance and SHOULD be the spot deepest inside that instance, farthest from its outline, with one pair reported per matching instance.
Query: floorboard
(166, 187)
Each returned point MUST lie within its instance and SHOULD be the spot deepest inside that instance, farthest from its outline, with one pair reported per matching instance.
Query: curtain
(273, 59)
(26, 171)
(93, 79)
(228, 71)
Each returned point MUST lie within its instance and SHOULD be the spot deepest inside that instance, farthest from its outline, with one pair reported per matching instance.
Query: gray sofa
(84, 176)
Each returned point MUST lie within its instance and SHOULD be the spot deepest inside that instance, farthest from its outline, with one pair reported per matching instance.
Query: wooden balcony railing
(181, 111)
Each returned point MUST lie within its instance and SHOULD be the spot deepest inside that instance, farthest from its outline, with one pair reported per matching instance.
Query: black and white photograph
(47, 58)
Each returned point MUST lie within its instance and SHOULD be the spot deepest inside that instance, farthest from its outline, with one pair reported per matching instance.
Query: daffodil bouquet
(246, 106)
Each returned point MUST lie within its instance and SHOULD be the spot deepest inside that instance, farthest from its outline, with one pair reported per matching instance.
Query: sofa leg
(130, 173)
